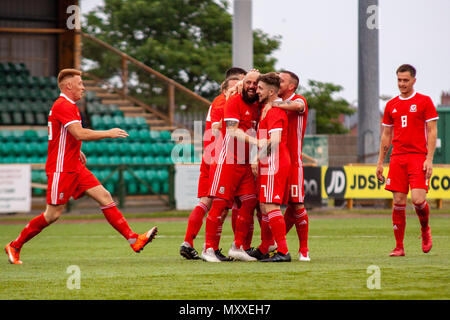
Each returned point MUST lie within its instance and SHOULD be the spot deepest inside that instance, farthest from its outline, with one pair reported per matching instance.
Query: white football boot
(209, 255)
(239, 254)
(304, 258)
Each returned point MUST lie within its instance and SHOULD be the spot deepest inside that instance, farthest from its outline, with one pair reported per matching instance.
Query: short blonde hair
(67, 73)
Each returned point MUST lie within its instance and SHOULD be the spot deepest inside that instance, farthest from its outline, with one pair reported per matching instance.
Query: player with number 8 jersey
(410, 125)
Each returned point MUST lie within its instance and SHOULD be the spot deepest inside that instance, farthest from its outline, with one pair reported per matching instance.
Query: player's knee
(400, 199)
(418, 200)
(217, 208)
(52, 213)
(249, 204)
(105, 196)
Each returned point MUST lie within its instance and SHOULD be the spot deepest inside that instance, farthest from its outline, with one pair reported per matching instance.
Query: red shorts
(231, 180)
(405, 172)
(203, 180)
(296, 185)
(61, 186)
(273, 187)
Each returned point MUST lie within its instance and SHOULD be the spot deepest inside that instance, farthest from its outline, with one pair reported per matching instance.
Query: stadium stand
(26, 100)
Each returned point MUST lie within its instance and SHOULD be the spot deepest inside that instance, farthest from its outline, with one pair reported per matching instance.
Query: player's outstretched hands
(117, 133)
(428, 168)
(379, 172)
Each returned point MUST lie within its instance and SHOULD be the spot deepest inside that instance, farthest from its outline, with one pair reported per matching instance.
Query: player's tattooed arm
(295, 105)
(385, 144)
(234, 131)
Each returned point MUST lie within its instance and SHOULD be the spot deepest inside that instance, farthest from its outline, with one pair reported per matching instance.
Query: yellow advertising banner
(360, 182)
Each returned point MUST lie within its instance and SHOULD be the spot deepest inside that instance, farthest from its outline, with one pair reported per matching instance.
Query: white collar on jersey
(290, 97)
(67, 98)
(401, 98)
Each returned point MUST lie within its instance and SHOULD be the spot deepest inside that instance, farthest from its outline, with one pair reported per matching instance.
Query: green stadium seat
(144, 135)
(149, 160)
(133, 135)
(6, 119)
(29, 118)
(125, 159)
(141, 123)
(154, 135)
(17, 118)
(166, 135)
(7, 159)
(30, 135)
(7, 148)
(42, 135)
(156, 187)
(5, 135)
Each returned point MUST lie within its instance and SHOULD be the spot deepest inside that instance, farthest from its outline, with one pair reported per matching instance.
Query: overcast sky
(320, 41)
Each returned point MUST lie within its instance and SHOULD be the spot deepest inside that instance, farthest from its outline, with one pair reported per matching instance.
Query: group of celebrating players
(252, 162)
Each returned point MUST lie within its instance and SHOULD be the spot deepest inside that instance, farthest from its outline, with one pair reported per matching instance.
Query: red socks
(423, 212)
(266, 234)
(302, 225)
(234, 215)
(289, 218)
(116, 219)
(278, 228)
(34, 227)
(213, 223)
(399, 223)
(195, 223)
(244, 220)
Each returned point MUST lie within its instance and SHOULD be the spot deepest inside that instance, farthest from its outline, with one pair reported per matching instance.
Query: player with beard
(211, 136)
(232, 172)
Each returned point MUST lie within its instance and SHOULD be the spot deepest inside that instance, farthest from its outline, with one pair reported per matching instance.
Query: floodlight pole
(242, 34)
(368, 82)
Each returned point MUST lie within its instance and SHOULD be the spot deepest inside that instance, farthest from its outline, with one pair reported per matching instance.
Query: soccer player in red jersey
(410, 125)
(213, 126)
(232, 172)
(297, 111)
(272, 171)
(66, 172)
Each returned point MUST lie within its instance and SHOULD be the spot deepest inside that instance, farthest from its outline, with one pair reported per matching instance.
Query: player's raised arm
(290, 105)
(84, 134)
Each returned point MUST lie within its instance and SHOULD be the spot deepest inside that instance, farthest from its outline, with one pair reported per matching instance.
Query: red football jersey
(275, 120)
(63, 153)
(208, 138)
(408, 117)
(247, 115)
(296, 131)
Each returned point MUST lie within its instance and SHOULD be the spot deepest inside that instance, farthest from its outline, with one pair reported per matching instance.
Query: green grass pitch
(341, 250)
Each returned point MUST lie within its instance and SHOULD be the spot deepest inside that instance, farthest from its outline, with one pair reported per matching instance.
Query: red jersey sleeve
(430, 110)
(66, 113)
(387, 119)
(231, 110)
(275, 120)
(301, 98)
(217, 109)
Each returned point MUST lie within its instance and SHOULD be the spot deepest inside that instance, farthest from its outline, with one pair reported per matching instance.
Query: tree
(186, 40)
(320, 96)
